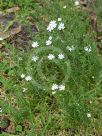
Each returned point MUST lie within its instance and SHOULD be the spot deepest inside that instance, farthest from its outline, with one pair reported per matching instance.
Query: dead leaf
(10, 128)
(5, 122)
(1, 46)
(14, 9)
(99, 38)
(4, 35)
(15, 30)
(1, 13)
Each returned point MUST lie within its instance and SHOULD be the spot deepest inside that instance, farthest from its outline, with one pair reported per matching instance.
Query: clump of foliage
(27, 77)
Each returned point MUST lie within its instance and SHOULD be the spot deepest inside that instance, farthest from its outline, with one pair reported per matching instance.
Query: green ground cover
(50, 82)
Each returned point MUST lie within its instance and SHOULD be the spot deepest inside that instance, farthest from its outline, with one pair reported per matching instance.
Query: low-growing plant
(54, 86)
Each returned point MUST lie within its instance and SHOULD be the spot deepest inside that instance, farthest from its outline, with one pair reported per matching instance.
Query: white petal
(59, 19)
(54, 87)
(22, 76)
(77, 3)
(35, 58)
(1, 38)
(28, 78)
(88, 49)
(62, 87)
(51, 56)
(61, 26)
(50, 37)
(0, 110)
(53, 92)
(48, 42)
(61, 56)
(64, 7)
(52, 25)
(35, 44)
(89, 115)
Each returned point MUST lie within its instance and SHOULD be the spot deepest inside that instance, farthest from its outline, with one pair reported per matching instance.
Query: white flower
(52, 25)
(24, 89)
(22, 76)
(61, 26)
(0, 110)
(35, 44)
(88, 49)
(28, 78)
(48, 42)
(49, 28)
(89, 115)
(76, 2)
(61, 87)
(53, 92)
(59, 19)
(51, 56)
(50, 37)
(64, 7)
(35, 58)
(61, 56)
(1, 38)
(54, 87)
(72, 48)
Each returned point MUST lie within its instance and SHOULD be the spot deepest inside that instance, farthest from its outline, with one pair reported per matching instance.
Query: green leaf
(19, 128)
